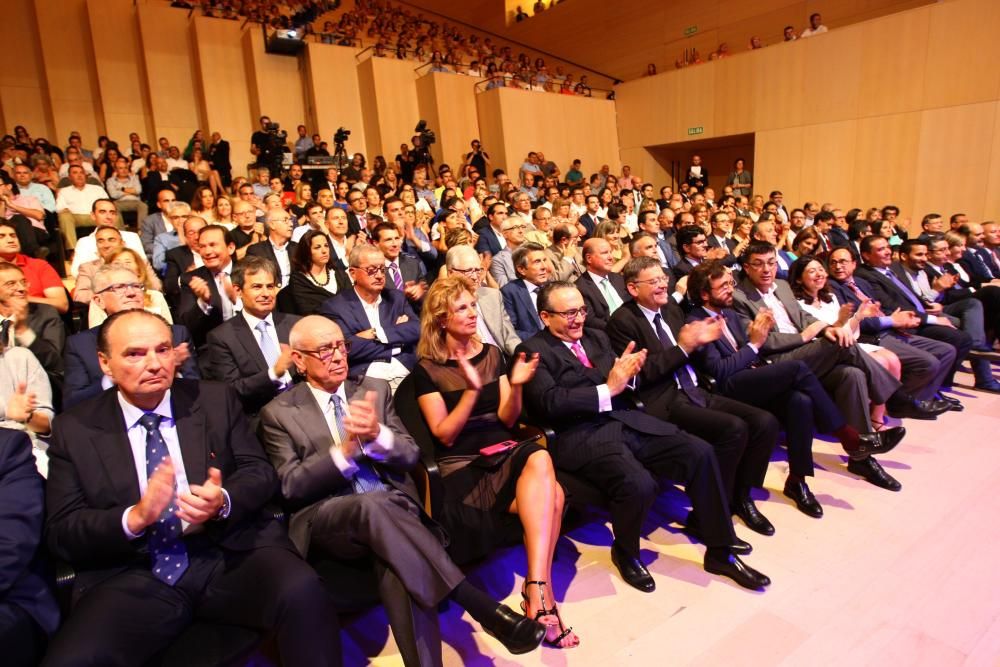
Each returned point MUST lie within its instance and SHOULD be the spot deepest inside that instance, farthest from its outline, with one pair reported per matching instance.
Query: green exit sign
(696, 130)
(690, 30)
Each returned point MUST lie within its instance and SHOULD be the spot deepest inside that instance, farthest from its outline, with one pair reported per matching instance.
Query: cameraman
(260, 140)
(477, 158)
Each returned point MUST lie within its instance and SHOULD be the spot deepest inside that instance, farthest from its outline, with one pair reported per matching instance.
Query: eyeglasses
(372, 271)
(727, 286)
(761, 265)
(122, 288)
(355, 199)
(570, 314)
(11, 284)
(326, 352)
(468, 272)
(515, 228)
(655, 282)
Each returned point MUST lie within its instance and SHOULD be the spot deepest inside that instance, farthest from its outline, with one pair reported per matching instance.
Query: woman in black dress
(315, 277)
(469, 402)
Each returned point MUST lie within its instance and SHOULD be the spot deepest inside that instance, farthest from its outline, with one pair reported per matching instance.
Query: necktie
(610, 295)
(365, 480)
(169, 555)
(581, 354)
(267, 344)
(729, 334)
(857, 290)
(397, 279)
(5, 332)
(906, 291)
(683, 376)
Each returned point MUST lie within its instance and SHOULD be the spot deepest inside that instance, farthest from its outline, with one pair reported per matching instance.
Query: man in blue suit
(114, 290)
(520, 297)
(28, 612)
(491, 238)
(379, 325)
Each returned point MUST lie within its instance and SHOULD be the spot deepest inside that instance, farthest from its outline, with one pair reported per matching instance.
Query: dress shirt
(730, 338)
(650, 314)
(285, 380)
(920, 284)
(79, 201)
(484, 333)
(42, 193)
(284, 263)
(606, 288)
(86, 249)
(781, 317)
(136, 433)
(386, 370)
(533, 294)
(603, 392)
(377, 449)
(116, 188)
(911, 296)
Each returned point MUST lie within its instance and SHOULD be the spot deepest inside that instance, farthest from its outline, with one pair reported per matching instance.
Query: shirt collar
(133, 414)
(650, 314)
(322, 396)
(254, 321)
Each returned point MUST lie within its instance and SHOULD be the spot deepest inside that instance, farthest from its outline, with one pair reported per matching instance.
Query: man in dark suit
(521, 296)
(379, 323)
(839, 237)
(649, 222)
(28, 612)
(156, 223)
(720, 245)
(208, 297)
(854, 379)
(590, 219)
(603, 291)
(893, 292)
(742, 436)
(491, 238)
(788, 389)
(36, 326)
(343, 458)
(579, 389)
(693, 247)
(155, 547)
(926, 363)
(250, 351)
(115, 289)
(278, 247)
(182, 258)
(403, 272)
(358, 217)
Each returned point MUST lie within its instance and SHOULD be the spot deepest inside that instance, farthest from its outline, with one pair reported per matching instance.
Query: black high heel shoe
(553, 611)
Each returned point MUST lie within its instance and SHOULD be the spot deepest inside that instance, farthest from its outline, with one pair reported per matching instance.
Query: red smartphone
(498, 447)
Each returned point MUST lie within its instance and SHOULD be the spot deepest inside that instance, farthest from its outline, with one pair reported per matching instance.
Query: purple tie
(581, 354)
(397, 279)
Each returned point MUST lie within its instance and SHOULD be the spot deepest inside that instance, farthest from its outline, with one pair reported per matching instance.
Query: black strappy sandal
(554, 611)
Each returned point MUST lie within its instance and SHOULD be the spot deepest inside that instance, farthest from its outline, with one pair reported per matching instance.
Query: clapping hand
(202, 501)
(159, 493)
(21, 404)
(523, 369)
(362, 423)
(626, 367)
(472, 379)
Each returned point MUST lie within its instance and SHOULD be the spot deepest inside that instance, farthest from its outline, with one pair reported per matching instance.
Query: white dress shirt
(386, 370)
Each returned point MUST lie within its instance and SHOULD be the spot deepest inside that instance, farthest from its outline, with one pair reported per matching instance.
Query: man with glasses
(358, 217)
(493, 325)
(853, 378)
(114, 289)
(787, 389)
(582, 391)
(502, 268)
(522, 208)
(742, 436)
(693, 246)
(278, 247)
(250, 352)
(379, 323)
(248, 230)
(354, 498)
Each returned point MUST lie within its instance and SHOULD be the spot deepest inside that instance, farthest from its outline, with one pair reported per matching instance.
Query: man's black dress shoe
(632, 570)
(953, 403)
(730, 565)
(741, 547)
(518, 633)
(755, 521)
(870, 469)
(877, 443)
(914, 409)
(804, 498)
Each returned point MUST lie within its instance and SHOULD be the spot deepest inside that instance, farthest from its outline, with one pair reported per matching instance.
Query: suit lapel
(112, 446)
(249, 342)
(311, 417)
(194, 441)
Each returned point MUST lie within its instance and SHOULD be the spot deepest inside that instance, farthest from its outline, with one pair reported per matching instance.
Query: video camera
(341, 136)
(427, 137)
(273, 149)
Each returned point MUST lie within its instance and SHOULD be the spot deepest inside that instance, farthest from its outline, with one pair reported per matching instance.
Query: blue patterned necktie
(169, 555)
(365, 480)
(267, 344)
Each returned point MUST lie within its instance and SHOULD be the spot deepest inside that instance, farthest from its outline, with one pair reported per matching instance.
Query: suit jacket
(502, 267)
(747, 301)
(192, 316)
(92, 480)
(149, 227)
(730, 244)
(488, 241)
(522, 312)
(657, 387)
(297, 439)
(956, 293)
(22, 495)
(177, 260)
(234, 357)
(266, 250)
(669, 252)
(411, 269)
(598, 310)
(50, 340)
(589, 222)
(83, 370)
(890, 295)
(304, 297)
(346, 310)
(354, 223)
(683, 267)
(563, 395)
(496, 319)
(977, 262)
(839, 238)
(719, 359)
(870, 326)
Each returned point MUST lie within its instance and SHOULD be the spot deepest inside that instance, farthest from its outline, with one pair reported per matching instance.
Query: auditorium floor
(908, 578)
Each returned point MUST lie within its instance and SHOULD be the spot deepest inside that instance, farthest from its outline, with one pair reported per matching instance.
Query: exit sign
(696, 130)
(690, 30)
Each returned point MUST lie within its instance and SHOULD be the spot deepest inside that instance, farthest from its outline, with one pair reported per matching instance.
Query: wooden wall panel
(827, 162)
(961, 55)
(645, 163)
(451, 112)
(831, 93)
(778, 163)
(889, 79)
(428, 106)
(778, 98)
(171, 71)
(954, 158)
(369, 106)
(23, 98)
(395, 88)
(118, 59)
(277, 83)
(735, 107)
(642, 107)
(69, 69)
(491, 127)
(991, 206)
(885, 156)
(223, 86)
(337, 105)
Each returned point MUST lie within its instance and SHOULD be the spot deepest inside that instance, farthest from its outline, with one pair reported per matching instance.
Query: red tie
(857, 290)
(580, 354)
